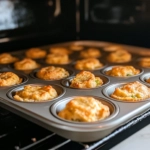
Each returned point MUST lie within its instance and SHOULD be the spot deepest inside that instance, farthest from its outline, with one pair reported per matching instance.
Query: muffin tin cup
(111, 88)
(60, 90)
(104, 64)
(26, 71)
(33, 74)
(66, 82)
(61, 64)
(11, 66)
(20, 75)
(137, 62)
(60, 105)
(110, 67)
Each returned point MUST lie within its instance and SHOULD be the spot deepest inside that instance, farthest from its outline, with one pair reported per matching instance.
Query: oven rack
(17, 133)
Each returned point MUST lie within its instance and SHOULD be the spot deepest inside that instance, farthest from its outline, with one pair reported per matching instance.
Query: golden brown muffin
(88, 64)
(90, 53)
(120, 56)
(84, 109)
(111, 48)
(9, 78)
(132, 91)
(26, 64)
(35, 53)
(6, 58)
(60, 50)
(145, 62)
(36, 93)
(86, 79)
(76, 47)
(122, 71)
(57, 59)
(52, 73)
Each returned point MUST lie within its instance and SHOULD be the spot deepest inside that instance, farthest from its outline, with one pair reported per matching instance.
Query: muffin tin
(45, 113)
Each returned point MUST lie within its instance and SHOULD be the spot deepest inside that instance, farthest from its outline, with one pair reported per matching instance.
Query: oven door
(32, 23)
(125, 21)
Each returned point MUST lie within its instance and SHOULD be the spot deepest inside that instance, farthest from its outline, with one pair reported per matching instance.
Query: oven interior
(26, 24)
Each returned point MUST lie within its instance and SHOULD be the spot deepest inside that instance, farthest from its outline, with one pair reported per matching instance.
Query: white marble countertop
(138, 141)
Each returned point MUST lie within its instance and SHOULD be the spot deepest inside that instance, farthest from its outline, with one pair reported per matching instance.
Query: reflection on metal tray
(41, 113)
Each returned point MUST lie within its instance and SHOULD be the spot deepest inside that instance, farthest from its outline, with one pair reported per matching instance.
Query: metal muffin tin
(45, 113)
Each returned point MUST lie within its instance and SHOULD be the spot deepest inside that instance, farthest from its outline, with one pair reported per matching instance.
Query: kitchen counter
(138, 141)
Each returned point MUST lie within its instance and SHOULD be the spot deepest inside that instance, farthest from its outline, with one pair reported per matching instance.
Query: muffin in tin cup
(119, 56)
(84, 109)
(35, 53)
(89, 64)
(12, 78)
(76, 47)
(26, 65)
(36, 93)
(7, 58)
(58, 59)
(134, 91)
(122, 71)
(85, 80)
(143, 62)
(52, 73)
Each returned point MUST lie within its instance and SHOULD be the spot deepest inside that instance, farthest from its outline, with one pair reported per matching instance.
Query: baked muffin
(6, 58)
(144, 62)
(26, 64)
(60, 50)
(86, 79)
(76, 47)
(122, 71)
(90, 53)
(9, 79)
(52, 73)
(88, 64)
(35, 93)
(84, 109)
(57, 59)
(132, 91)
(120, 56)
(35, 53)
(111, 48)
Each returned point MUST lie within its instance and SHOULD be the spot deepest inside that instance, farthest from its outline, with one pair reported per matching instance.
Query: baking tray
(45, 113)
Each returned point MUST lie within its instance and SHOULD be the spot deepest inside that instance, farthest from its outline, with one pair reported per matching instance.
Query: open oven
(124, 21)
(26, 24)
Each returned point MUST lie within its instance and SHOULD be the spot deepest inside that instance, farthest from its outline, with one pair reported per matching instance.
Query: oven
(116, 21)
(25, 24)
